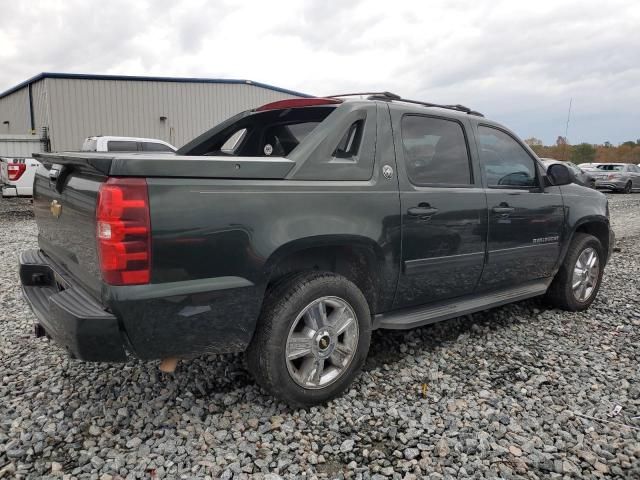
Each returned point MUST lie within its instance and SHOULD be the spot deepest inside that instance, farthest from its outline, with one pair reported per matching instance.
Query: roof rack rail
(388, 96)
(385, 95)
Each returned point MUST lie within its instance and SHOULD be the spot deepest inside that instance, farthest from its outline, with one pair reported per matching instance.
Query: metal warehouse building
(66, 108)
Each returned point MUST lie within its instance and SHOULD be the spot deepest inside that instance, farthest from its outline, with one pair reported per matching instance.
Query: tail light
(123, 231)
(15, 170)
(613, 175)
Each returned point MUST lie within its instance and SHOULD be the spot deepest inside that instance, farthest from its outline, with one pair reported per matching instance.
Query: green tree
(629, 143)
(583, 153)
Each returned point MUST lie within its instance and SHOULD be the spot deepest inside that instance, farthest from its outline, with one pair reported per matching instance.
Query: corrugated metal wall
(14, 108)
(74, 109)
(19, 145)
(41, 105)
(80, 108)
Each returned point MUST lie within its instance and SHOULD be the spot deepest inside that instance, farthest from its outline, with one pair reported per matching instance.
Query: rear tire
(576, 284)
(627, 188)
(312, 338)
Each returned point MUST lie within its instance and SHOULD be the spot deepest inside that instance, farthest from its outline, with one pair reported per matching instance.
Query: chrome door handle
(422, 211)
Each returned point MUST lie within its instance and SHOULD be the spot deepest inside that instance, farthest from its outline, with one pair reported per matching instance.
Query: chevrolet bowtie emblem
(56, 208)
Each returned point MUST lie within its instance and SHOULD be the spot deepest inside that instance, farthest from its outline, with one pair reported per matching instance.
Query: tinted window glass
(122, 146)
(505, 162)
(610, 168)
(155, 147)
(350, 142)
(435, 151)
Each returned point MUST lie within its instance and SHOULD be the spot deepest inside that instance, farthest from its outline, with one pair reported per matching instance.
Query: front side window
(505, 162)
(435, 151)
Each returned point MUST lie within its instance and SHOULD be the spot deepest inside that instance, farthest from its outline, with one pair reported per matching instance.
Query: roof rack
(389, 97)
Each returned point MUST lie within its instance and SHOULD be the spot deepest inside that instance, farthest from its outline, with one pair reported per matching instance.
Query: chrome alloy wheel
(585, 274)
(322, 342)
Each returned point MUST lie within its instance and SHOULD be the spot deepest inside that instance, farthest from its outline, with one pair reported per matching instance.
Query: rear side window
(155, 147)
(506, 163)
(435, 151)
(350, 142)
(121, 146)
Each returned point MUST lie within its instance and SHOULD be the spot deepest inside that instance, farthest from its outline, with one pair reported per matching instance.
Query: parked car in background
(105, 143)
(293, 230)
(582, 177)
(619, 177)
(16, 176)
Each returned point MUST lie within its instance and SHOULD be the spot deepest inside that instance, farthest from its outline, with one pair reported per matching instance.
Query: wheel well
(599, 230)
(356, 263)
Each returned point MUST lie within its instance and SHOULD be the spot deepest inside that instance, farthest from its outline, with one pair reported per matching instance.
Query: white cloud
(517, 62)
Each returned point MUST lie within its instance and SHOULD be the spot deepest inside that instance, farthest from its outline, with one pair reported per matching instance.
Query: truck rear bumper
(9, 191)
(67, 314)
(153, 321)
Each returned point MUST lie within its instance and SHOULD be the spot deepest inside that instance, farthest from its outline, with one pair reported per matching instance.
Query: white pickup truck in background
(16, 176)
(105, 143)
(17, 173)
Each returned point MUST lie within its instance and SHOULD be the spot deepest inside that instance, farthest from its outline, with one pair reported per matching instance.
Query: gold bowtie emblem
(56, 208)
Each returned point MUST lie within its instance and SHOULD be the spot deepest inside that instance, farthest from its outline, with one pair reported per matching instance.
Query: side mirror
(559, 174)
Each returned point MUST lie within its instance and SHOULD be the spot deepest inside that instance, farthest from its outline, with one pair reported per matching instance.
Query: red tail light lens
(123, 231)
(15, 170)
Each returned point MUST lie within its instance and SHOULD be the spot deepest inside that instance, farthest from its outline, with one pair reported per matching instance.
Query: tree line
(627, 152)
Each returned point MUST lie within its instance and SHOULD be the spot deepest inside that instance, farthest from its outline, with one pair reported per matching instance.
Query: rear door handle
(422, 211)
(503, 210)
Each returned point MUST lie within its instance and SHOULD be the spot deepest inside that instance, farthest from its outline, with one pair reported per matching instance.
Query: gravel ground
(517, 392)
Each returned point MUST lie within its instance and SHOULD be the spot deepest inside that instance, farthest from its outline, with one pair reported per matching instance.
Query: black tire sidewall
(583, 242)
(281, 315)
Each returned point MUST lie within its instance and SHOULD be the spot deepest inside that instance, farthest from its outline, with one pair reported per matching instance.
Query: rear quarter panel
(222, 238)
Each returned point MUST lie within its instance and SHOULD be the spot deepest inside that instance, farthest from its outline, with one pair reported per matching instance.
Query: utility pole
(566, 132)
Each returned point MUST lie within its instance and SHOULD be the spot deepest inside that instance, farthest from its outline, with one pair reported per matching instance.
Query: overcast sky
(517, 62)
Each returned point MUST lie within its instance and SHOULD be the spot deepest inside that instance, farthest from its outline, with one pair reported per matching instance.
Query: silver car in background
(619, 177)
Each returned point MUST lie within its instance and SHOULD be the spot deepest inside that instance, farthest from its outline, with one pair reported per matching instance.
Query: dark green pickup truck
(293, 230)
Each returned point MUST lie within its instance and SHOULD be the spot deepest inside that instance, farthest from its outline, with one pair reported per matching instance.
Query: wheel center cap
(324, 342)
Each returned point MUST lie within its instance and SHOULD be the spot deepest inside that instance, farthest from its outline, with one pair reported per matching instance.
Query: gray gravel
(517, 392)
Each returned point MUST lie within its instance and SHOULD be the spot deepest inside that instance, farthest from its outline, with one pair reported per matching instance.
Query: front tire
(312, 338)
(576, 284)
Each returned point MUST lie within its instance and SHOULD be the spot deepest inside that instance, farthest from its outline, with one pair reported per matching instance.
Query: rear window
(611, 168)
(122, 146)
(271, 133)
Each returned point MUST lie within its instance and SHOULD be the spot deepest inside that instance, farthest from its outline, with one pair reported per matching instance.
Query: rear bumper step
(68, 314)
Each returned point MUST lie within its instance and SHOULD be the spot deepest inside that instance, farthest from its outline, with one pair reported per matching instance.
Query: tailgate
(64, 200)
